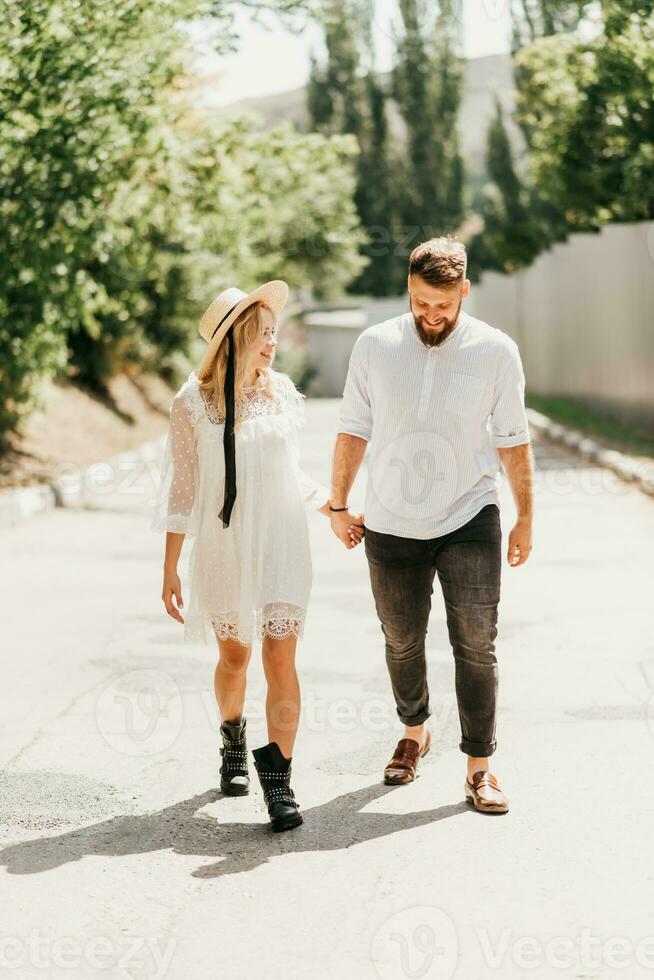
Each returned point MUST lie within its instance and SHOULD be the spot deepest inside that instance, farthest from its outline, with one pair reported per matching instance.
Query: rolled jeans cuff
(480, 750)
(418, 719)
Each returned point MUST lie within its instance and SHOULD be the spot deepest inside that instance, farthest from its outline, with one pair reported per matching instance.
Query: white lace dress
(254, 577)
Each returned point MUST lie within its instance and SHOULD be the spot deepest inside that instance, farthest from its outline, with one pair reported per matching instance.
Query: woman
(231, 479)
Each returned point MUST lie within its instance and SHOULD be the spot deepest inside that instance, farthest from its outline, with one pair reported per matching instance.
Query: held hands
(172, 587)
(347, 527)
(519, 543)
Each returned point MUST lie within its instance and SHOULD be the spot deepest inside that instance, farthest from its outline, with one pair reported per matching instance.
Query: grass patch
(612, 433)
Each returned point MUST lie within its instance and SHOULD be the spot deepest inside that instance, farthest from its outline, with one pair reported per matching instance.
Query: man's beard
(436, 339)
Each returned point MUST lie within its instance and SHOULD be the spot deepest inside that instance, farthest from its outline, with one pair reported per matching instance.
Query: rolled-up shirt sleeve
(355, 416)
(509, 424)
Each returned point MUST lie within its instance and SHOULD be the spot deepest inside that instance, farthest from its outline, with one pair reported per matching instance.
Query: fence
(582, 315)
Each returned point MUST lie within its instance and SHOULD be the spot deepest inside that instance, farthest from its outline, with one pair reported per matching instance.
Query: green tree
(78, 111)
(516, 225)
(119, 212)
(345, 96)
(531, 19)
(588, 109)
(378, 200)
(277, 204)
(428, 79)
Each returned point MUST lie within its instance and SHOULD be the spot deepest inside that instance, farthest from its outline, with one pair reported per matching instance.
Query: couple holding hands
(437, 397)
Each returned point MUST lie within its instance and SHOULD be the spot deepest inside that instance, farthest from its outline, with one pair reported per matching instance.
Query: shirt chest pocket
(464, 395)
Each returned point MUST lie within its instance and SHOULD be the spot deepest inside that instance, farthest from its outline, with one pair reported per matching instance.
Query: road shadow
(332, 826)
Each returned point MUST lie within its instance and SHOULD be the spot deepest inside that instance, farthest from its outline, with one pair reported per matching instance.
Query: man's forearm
(518, 465)
(348, 453)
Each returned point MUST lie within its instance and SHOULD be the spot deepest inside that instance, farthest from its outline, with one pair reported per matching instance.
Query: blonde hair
(249, 327)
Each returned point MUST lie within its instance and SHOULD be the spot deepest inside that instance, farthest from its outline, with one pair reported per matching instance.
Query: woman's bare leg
(230, 679)
(283, 698)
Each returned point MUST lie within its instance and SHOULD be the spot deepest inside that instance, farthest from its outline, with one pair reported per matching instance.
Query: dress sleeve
(175, 506)
(314, 494)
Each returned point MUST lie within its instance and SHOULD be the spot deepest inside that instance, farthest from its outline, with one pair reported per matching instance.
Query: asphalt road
(119, 859)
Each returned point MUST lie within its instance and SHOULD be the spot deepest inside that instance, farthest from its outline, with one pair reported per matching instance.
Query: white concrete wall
(330, 337)
(583, 315)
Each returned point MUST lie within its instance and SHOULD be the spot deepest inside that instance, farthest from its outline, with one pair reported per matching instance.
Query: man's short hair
(440, 262)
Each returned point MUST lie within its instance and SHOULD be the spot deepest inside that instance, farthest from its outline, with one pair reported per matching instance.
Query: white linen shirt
(434, 418)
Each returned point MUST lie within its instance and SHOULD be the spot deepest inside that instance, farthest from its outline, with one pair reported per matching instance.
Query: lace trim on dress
(289, 400)
(278, 620)
(225, 626)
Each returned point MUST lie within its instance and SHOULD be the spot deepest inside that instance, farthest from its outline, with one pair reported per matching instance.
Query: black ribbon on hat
(229, 442)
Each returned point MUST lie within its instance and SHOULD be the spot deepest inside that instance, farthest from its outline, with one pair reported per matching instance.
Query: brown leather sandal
(485, 794)
(402, 767)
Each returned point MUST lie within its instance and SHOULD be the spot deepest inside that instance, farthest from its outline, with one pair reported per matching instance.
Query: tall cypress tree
(377, 200)
(428, 81)
(513, 233)
(531, 19)
(344, 96)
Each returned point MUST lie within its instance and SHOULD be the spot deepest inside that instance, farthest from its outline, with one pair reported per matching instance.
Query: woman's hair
(249, 328)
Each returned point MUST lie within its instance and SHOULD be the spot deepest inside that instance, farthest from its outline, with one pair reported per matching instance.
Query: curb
(81, 487)
(77, 488)
(628, 468)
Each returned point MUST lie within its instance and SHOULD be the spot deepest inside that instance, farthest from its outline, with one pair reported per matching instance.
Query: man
(439, 397)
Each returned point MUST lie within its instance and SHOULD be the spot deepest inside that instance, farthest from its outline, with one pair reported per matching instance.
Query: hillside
(78, 428)
(485, 78)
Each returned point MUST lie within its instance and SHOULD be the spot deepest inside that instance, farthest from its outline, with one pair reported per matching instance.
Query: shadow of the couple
(334, 825)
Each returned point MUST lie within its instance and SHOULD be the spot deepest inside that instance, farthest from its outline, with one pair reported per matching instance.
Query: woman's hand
(347, 527)
(172, 588)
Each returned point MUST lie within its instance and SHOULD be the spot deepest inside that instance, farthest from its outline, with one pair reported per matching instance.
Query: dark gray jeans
(468, 562)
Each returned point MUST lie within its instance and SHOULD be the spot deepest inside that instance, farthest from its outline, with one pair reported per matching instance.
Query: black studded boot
(234, 779)
(274, 772)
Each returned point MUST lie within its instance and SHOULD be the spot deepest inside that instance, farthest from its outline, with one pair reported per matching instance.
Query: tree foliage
(121, 212)
(531, 19)
(344, 96)
(407, 189)
(428, 84)
(587, 107)
(512, 235)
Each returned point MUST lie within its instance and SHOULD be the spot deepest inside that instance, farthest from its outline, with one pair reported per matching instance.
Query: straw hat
(227, 306)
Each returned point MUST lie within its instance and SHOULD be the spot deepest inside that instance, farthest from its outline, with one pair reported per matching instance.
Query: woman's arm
(172, 584)
(175, 506)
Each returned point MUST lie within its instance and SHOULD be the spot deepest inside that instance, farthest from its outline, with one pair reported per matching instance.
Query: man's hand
(347, 527)
(519, 542)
